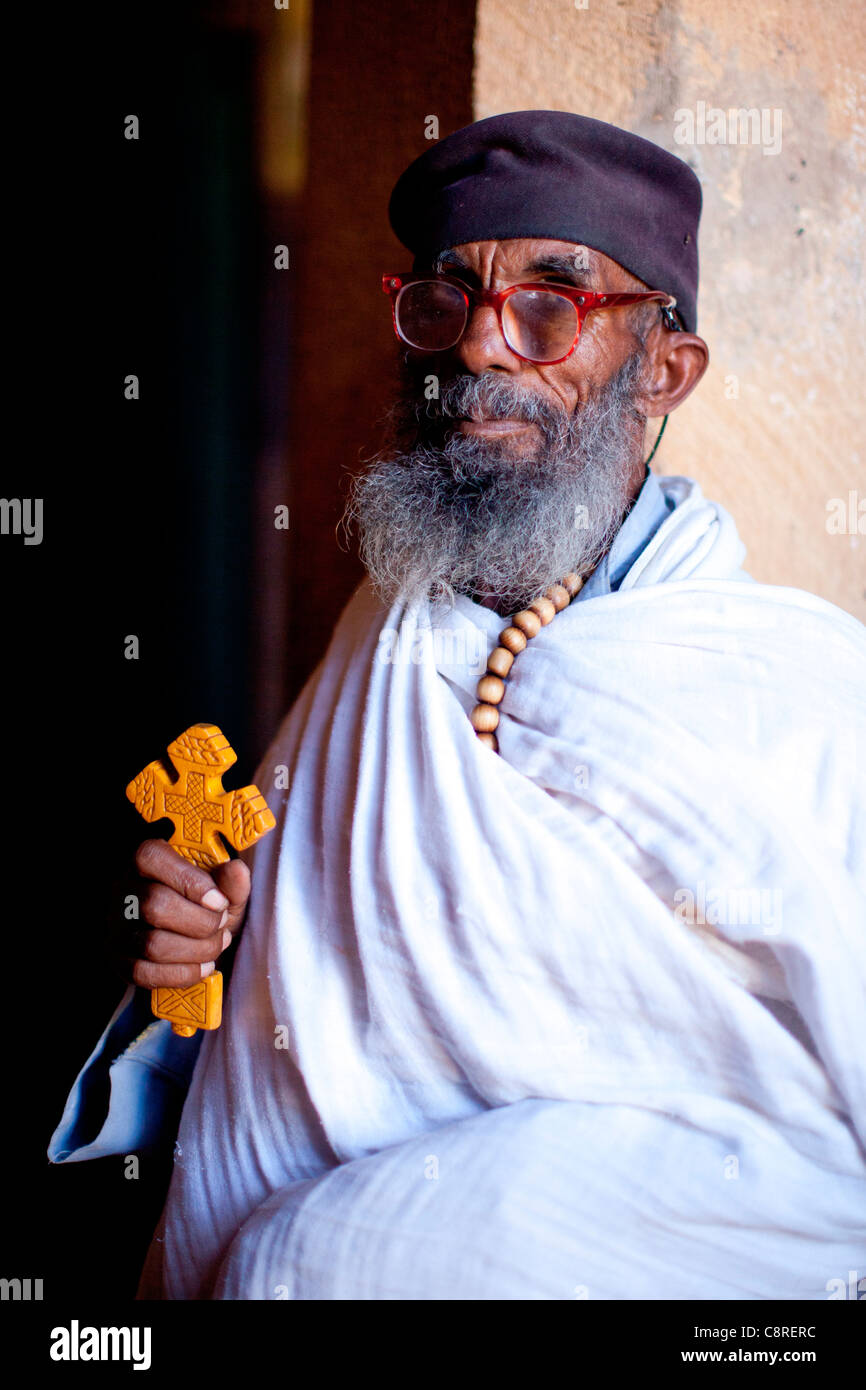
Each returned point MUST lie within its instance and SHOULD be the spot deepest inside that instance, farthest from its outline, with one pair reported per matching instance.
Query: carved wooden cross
(199, 807)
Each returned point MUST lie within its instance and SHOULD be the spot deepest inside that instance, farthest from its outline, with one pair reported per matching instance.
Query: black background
(134, 257)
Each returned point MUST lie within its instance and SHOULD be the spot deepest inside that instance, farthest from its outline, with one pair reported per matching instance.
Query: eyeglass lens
(538, 324)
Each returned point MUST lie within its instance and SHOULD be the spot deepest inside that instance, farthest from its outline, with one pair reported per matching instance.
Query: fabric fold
(671, 839)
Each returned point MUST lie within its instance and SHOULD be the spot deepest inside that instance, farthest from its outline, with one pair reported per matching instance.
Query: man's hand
(193, 914)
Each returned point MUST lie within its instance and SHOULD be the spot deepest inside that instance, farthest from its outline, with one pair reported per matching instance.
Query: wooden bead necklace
(512, 640)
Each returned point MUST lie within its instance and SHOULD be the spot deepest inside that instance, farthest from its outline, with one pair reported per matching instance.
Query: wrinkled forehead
(528, 256)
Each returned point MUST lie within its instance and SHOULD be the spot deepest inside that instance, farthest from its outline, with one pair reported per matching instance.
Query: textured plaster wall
(773, 432)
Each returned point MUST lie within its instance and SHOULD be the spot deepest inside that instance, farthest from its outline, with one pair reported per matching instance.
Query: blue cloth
(649, 509)
(130, 1092)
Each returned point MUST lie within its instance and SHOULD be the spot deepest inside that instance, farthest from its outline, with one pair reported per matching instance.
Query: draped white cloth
(584, 1019)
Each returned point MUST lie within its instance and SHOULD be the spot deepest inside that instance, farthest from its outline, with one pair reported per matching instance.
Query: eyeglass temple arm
(668, 309)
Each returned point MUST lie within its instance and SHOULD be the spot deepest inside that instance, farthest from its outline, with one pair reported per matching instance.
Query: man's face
(606, 341)
(507, 474)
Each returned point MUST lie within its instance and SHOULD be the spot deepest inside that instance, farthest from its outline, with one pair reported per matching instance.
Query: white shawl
(651, 906)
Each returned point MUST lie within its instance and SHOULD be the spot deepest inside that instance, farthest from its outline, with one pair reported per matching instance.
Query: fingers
(233, 879)
(167, 948)
(153, 976)
(170, 959)
(193, 914)
(155, 859)
(163, 907)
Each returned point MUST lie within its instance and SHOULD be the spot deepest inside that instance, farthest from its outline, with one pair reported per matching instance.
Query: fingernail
(207, 969)
(227, 939)
(215, 899)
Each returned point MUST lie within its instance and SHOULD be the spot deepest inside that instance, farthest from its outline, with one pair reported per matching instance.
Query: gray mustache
(465, 396)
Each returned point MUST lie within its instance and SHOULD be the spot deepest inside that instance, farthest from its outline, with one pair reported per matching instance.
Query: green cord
(658, 441)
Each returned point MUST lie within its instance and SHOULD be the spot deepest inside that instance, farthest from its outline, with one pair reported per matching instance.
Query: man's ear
(675, 364)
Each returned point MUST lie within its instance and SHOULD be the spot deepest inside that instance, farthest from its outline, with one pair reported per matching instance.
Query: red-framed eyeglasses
(540, 323)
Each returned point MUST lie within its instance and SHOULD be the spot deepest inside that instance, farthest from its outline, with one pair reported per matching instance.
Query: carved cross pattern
(197, 803)
(194, 807)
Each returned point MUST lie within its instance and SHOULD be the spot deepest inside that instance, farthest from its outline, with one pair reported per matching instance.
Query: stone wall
(772, 432)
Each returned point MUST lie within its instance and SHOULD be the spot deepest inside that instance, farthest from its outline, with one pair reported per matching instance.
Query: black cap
(553, 174)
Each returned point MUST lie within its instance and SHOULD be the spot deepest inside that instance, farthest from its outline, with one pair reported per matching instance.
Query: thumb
(233, 879)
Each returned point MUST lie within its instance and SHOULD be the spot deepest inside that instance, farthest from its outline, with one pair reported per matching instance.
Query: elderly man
(553, 972)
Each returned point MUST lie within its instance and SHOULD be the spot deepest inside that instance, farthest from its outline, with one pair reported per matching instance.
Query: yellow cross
(196, 802)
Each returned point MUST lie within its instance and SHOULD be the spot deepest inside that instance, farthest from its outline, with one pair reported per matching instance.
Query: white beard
(440, 512)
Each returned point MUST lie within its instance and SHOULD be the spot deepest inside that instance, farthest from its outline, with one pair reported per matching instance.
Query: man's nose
(483, 347)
